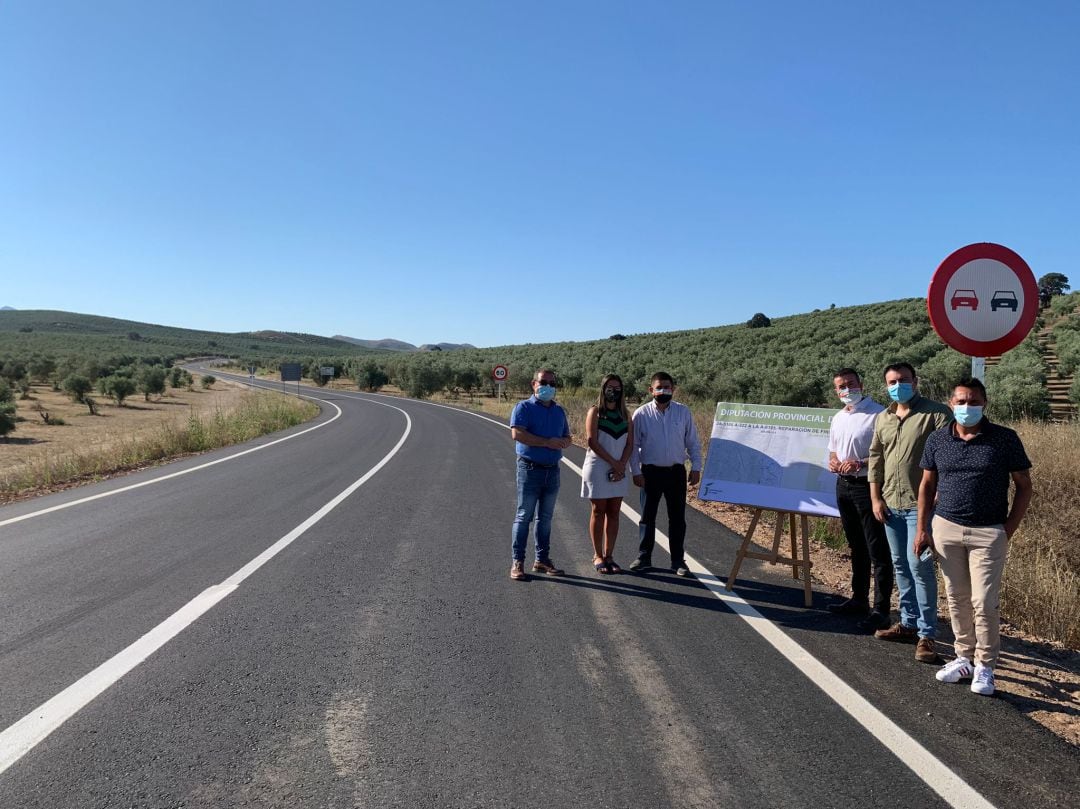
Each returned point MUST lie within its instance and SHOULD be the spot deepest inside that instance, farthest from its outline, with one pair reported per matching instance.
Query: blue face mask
(901, 392)
(545, 393)
(967, 415)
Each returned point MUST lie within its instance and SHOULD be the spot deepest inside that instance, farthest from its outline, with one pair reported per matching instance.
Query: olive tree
(371, 377)
(150, 380)
(118, 387)
(77, 387)
(7, 409)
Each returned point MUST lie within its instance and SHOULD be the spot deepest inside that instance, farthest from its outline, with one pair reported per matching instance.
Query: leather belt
(535, 465)
(854, 478)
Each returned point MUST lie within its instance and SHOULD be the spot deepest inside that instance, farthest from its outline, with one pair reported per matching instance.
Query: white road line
(931, 770)
(946, 783)
(172, 475)
(25, 734)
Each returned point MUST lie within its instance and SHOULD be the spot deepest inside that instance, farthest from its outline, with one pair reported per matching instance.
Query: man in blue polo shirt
(541, 432)
(967, 466)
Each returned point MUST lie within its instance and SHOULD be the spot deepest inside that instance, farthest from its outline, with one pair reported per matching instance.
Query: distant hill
(386, 344)
(30, 331)
(399, 345)
(445, 346)
(7, 308)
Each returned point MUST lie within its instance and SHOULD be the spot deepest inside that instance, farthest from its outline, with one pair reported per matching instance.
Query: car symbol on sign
(1003, 299)
(965, 297)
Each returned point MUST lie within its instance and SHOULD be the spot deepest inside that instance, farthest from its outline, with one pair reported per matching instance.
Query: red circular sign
(983, 300)
(498, 373)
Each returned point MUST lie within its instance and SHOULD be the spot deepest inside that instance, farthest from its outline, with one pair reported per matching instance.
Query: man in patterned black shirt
(967, 467)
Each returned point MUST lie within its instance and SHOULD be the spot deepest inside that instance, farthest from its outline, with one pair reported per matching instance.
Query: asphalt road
(382, 656)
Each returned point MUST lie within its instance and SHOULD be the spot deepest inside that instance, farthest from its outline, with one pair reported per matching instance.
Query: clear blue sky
(508, 172)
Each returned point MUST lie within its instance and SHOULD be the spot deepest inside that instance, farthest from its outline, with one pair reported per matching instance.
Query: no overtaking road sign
(983, 300)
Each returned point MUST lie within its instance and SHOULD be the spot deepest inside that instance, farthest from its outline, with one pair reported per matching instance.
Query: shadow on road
(782, 605)
(692, 595)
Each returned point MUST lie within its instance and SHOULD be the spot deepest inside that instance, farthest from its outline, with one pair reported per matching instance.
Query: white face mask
(851, 396)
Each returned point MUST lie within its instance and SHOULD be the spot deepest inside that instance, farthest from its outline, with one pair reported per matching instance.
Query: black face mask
(612, 396)
(663, 398)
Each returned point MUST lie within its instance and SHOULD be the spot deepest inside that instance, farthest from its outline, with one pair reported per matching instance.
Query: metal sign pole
(978, 368)
(499, 374)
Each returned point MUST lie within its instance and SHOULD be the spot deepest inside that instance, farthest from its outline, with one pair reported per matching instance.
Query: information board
(771, 457)
(290, 371)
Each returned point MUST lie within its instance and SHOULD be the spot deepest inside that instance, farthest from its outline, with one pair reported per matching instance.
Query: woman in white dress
(604, 479)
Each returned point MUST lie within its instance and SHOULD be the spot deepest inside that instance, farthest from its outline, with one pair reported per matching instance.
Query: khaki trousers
(972, 561)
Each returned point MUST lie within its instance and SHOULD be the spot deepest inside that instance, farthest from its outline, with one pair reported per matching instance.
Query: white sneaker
(983, 682)
(954, 672)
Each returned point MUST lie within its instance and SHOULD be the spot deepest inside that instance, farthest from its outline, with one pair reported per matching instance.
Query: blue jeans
(916, 581)
(537, 488)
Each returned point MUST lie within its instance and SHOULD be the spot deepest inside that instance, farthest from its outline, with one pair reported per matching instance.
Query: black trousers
(866, 539)
(669, 483)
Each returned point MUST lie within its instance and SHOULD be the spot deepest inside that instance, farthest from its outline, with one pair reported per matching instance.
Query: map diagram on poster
(771, 457)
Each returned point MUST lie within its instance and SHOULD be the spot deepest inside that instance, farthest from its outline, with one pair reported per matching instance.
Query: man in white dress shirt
(664, 438)
(850, 434)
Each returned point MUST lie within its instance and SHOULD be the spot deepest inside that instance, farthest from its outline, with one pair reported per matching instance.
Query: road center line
(28, 732)
(172, 475)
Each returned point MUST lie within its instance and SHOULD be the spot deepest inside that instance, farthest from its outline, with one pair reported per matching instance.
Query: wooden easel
(774, 557)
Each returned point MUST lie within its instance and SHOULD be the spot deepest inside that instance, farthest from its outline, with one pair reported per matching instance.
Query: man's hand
(881, 511)
(834, 465)
(922, 541)
(695, 477)
(558, 443)
(639, 481)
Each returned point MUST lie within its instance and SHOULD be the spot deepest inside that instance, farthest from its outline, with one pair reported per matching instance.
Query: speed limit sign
(499, 373)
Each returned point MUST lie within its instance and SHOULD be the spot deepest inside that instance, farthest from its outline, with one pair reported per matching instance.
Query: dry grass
(1041, 592)
(39, 457)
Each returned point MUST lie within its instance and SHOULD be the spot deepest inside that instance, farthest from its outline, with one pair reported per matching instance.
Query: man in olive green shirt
(900, 432)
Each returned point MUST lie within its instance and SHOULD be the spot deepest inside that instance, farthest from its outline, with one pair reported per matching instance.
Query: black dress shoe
(874, 621)
(849, 607)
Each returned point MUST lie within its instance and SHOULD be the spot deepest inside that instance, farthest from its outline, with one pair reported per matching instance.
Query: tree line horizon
(780, 361)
